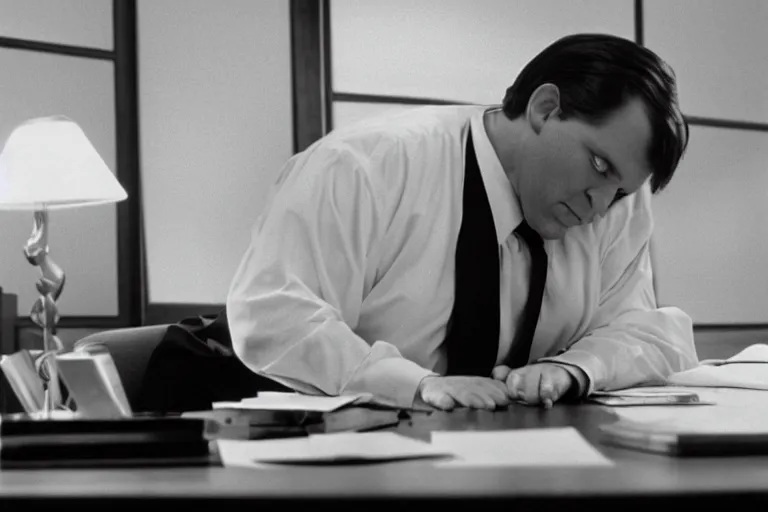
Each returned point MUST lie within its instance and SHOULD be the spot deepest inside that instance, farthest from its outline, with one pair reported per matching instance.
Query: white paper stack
(748, 369)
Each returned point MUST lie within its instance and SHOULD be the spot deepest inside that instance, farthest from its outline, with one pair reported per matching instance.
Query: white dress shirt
(347, 284)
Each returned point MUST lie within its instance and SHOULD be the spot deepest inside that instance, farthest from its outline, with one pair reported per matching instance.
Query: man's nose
(601, 198)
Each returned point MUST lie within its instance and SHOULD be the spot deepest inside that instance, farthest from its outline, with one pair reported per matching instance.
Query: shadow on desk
(585, 418)
(637, 479)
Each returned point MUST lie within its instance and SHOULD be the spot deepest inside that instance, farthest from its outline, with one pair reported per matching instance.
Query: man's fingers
(497, 391)
(482, 394)
(501, 372)
(482, 400)
(529, 387)
(497, 384)
(547, 390)
(514, 381)
(441, 401)
(554, 383)
(483, 397)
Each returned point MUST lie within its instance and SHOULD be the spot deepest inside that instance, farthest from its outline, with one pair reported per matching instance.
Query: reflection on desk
(637, 478)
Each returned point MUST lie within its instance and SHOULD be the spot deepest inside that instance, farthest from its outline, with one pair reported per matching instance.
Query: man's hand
(475, 392)
(538, 383)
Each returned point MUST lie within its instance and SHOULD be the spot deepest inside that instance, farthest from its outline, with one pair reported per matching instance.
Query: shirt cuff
(392, 381)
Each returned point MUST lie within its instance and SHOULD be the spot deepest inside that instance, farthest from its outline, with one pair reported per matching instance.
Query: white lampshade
(49, 163)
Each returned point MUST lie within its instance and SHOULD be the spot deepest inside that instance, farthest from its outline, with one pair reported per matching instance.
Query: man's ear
(543, 103)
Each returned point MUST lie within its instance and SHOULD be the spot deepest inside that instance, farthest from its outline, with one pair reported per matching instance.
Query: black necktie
(473, 331)
(521, 346)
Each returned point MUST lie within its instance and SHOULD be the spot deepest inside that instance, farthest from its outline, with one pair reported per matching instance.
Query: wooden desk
(636, 479)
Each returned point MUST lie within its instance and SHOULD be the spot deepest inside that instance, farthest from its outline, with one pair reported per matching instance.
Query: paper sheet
(747, 369)
(326, 449)
(521, 447)
(646, 396)
(755, 352)
(734, 410)
(292, 402)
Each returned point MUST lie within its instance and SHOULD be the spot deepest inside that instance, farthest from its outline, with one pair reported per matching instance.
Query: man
(365, 266)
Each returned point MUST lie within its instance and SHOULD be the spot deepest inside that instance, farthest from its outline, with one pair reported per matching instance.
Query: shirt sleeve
(297, 293)
(630, 340)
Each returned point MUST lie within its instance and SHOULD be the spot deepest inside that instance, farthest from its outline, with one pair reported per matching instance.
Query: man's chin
(553, 230)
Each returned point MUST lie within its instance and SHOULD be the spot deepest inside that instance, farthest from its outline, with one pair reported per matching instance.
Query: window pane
(346, 113)
(457, 50)
(83, 241)
(72, 22)
(719, 51)
(711, 236)
(216, 127)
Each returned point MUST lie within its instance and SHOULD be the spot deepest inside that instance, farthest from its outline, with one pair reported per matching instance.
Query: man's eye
(600, 164)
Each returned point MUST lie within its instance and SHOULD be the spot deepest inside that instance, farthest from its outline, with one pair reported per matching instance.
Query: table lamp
(48, 163)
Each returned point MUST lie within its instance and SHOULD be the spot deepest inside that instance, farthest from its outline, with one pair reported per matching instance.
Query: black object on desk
(243, 423)
(27, 442)
(653, 439)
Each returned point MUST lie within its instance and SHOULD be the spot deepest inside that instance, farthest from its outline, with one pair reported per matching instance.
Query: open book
(747, 369)
(20, 372)
(94, 383)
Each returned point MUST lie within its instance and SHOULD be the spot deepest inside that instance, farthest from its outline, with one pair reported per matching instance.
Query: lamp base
(44, 312)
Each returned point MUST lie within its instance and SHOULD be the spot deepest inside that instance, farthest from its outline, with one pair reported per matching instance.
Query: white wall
(711, 242)
(74, 22)
(215, 127)
(719, 51)
(454, 49)
(711, 237)
(82, 241)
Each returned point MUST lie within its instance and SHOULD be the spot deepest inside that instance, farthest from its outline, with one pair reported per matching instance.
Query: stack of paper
(736, 424)
(340, 448)
(277, 414)
(272, 400)
(731, 408)
(747, 369)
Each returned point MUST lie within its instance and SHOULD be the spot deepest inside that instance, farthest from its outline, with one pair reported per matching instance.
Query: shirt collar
(505, 205)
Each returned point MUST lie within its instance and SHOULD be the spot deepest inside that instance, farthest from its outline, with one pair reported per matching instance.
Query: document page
(326, 449)
(748, 369)
(292, 402)
(735, 410)
(556, 447)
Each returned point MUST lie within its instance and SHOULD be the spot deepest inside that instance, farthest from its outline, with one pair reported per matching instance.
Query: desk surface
(635, 477)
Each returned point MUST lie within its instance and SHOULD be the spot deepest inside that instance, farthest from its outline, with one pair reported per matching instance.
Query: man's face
(572, 170)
